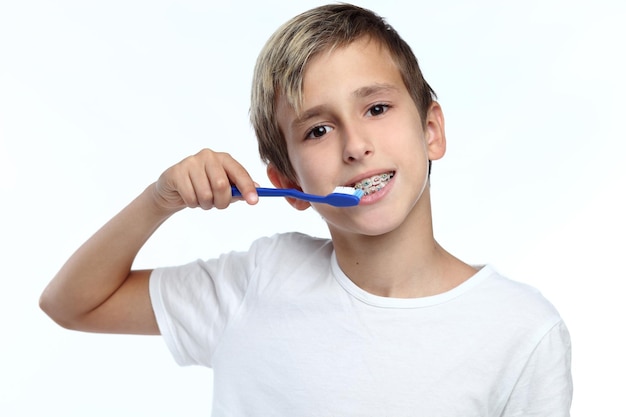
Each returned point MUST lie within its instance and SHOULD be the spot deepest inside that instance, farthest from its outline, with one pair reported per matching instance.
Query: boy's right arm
(96, 290)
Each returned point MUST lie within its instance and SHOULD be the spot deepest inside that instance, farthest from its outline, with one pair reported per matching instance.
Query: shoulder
(512, 292)
(514, 304)
(293, 241)
(269, 253)
(293, 247)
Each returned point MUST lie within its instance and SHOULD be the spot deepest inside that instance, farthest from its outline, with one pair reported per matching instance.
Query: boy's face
(359, 125)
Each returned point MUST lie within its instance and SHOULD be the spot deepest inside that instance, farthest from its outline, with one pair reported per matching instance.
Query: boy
(378, 320)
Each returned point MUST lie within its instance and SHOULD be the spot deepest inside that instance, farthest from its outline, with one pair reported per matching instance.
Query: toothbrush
(340, 197)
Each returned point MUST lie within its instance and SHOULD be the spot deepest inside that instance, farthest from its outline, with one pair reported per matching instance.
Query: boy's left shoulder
(508, 313)
(512, 298)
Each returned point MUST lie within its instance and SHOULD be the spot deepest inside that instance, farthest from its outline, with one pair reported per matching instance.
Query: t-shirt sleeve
(193, 303)
(545, 385)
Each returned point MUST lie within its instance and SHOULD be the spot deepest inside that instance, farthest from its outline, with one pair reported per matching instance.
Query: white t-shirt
(287, 333)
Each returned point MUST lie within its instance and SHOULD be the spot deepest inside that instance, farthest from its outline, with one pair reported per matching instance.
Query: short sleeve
(193, 303)
(545, 388)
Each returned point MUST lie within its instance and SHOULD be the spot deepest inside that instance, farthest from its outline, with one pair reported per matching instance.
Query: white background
(98, 98)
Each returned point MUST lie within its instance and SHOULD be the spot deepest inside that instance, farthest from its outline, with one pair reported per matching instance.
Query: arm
(545, 385)
(96, 290)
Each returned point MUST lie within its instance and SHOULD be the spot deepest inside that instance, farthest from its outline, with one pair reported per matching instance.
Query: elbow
(53, 309)
(46, 305)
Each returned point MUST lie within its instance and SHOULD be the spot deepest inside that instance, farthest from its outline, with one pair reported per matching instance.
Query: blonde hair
(281, 64)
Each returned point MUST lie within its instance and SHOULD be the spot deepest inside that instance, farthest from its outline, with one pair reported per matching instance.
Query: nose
(356, 144)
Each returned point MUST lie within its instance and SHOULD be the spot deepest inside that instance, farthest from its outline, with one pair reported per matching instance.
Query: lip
(380, 194)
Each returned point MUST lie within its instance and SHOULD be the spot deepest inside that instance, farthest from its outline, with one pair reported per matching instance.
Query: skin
(96, 290)
(358, 120)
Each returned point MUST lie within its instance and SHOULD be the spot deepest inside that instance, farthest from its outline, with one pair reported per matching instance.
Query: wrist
(156, 204)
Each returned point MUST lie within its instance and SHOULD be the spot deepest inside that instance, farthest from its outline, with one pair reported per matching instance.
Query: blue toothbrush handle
(265, 192)
(279, 192)
(334, 199)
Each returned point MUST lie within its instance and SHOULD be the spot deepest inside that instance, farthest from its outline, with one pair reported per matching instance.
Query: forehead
(361, 69)
(356, 69)
(363, 48)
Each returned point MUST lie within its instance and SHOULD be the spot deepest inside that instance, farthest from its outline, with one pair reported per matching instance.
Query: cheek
(313, 171)
(412, 144)
(303, 167)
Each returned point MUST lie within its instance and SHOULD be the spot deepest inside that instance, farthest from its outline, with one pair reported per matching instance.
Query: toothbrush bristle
(349, 190)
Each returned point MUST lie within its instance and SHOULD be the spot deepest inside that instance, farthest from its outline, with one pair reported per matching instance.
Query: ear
(435, 132)
(280, 180)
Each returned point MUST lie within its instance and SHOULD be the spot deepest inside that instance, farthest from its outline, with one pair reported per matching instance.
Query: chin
(378, 220)
(369, 229)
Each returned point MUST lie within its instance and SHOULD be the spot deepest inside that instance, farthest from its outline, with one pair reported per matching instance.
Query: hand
(203, 180)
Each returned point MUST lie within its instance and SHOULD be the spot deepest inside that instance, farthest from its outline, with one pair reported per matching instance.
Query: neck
(404, 263)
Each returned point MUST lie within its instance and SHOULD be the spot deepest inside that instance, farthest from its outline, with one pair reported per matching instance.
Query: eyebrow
(362, 92)
(370, 90)
(307, 115)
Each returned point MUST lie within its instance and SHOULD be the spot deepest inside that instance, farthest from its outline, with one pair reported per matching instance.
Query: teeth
(374, 183)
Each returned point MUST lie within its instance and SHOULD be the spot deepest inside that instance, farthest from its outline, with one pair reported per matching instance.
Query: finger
(187, 192)
(219, 182)
(202, 188)
(241, 178)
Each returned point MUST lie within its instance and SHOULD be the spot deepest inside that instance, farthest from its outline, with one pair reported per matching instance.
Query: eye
(378, 109)
(318, 131)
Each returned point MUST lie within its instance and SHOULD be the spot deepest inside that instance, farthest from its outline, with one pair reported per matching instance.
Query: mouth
(374, 183)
